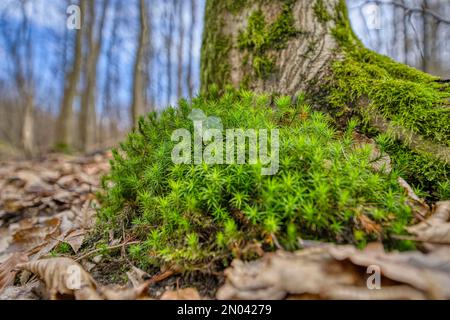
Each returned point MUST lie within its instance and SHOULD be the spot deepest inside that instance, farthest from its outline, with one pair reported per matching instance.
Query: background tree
(193, 23)
(72, 77)
(140, 65)
(94, 37)
(20, 50)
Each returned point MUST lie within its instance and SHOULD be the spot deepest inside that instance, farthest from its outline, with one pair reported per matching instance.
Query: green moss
(321, 12)
(260, 37)
(194, 215)
(422, 170)
(234, 6)
(404, 96)
(63, 148)
(216, 46)
(62, 248)
(263, 66)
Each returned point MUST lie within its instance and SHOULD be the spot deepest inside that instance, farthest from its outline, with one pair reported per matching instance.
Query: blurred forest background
(82, 89)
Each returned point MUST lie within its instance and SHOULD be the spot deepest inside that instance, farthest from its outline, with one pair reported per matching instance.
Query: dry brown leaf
(418, 205)
(435, 229)
(181, 294)
(137, 276)
(339, 272)
(62, 276)
(7, 269)
(368, 225)
(123, 293)
(34, 234)
(30, 291)
(65, 277)
(75, 239)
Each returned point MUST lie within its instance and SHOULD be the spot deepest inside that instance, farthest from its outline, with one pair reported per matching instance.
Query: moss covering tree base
(201, 216)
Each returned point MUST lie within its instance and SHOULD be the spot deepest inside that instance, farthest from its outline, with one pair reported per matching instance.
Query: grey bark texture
(304, 60)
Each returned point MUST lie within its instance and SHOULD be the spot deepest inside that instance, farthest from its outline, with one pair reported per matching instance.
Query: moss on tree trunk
(284, 47)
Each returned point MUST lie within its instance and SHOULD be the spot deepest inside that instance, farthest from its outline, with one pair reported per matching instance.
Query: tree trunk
(283, 47)
(180, 49)
(276, 46)
(65, 118)
(168, 42)
(138, 104)
(28, 125)
(88, 120)
(189, 80)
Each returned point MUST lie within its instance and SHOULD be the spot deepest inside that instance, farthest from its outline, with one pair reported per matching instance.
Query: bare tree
(140, 65)
(87, 120)
(180, 49)
(20, 52)
(65, 118)
(109, 117)
(189, 78)
(168, 42)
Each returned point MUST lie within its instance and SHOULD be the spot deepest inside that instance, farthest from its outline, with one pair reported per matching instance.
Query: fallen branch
(118, 246)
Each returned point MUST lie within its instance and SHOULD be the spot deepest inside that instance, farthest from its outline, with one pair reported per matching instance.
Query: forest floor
(48, 208)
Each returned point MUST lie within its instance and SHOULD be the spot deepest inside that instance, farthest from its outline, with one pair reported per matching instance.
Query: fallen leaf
(436, 229)
(7, 269)
(62, 276)
(368, 225)
(34, 234)
(181, 294)
(339, 272)
(418, 205)
(137, 276)
(29, 291)
(75, 239)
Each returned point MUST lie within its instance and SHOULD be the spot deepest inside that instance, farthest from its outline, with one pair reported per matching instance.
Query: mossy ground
(203, 215)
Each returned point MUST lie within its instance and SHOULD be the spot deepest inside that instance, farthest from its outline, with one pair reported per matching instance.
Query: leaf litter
(52, 201)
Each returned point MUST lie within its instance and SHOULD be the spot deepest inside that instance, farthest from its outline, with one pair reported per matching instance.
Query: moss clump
(321, 11)
(424, 171)
(407, 97)
(194, 215)
(404, 96)
(62, 249)
(234, 6)
(260, 37)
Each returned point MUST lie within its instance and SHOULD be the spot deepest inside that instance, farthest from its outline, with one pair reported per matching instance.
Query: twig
(161, 277)
(405, 7)
(104, 249)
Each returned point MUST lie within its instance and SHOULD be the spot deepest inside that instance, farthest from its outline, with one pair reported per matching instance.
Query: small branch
(408, 9)
(105, 249)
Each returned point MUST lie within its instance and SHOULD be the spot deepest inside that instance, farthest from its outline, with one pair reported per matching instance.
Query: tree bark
(299, 62)
(168, 42)
(189, 78)
(65, 118)
(87, 122)
(138, 103)
(180, 49)
(28, 125)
